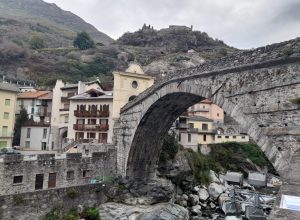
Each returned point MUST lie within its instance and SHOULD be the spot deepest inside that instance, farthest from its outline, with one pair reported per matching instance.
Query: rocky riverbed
(160, 199)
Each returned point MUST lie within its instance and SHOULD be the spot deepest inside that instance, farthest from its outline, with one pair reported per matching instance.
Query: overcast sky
(239, 23)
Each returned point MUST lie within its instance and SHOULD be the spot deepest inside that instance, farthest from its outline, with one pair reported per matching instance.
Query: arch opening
(149, 135)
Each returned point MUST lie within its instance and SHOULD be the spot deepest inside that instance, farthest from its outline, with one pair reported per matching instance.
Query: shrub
(54, 214)
(36, 42)
(170, 147)
(10, 52)
(72, 193)
(90, 214)
(295, 100)
(83, 41)
(72, 215)
(199, 165)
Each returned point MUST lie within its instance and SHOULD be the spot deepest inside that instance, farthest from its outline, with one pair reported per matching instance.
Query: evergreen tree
(21, 119)
(83, 41)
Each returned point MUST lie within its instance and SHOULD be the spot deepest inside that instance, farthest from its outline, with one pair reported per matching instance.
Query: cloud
(240, 23)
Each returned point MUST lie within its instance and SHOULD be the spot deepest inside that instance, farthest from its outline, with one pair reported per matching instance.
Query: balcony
(79, 127)
(90, 114)
(182, 126)
(202, 131)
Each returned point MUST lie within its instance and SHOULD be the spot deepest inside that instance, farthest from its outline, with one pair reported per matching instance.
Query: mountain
(22, 19)
(173, 39)
(160, 52)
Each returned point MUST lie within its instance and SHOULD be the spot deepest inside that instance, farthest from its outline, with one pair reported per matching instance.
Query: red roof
(32, 95)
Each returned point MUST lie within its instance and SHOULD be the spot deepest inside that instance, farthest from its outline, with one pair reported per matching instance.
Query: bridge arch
(252, 94)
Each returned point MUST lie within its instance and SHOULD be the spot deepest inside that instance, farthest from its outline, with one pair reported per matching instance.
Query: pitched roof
(206, 101)
(47, 96)
(32, 95)
(9, 87)
(199, 118)
(93, 94)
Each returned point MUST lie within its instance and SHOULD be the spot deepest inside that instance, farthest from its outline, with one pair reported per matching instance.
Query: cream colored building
(207, 109)
(203, 123)
(8, 100)
(129, 84)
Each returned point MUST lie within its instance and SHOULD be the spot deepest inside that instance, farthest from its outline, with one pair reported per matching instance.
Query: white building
(35, 136)
(38, 105)
(61, 106)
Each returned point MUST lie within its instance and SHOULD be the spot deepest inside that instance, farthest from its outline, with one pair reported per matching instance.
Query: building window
(219, 136)
(191, 125)
(4, 131)
(7, 102)
(91, 135)
(234, 137)
(131, 98)
(52, 180)
(28, 132)
(243, 137)
(179, 137)
(44, 133)
(204, 137)
(66, 119)
(44, 146)
(86, 173)
(226, 137)
(3, 144)
(6, 115)
(205, 127)
(103, 138)
(32, 110)
(18, 179)
(39, 181)
(218, 114)
(134, 84)
(70, 175)
(27, 144)
(189, 137)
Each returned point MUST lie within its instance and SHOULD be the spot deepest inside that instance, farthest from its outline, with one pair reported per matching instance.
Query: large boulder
(193, 199)
(203, 194)
(161, 211)
(215, 190)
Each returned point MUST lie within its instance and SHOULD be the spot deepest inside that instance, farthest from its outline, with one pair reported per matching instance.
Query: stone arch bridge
(257, 88)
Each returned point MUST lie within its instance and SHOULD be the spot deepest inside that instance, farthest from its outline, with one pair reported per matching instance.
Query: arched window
(82, 107)
(220, 130)
(131, 98)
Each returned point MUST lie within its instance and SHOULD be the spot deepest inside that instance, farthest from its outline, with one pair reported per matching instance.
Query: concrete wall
(6, 139)
(36, 137)
(95, 166)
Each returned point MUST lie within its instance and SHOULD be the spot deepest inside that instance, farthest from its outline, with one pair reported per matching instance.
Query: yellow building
(8, 100)
(127, 85)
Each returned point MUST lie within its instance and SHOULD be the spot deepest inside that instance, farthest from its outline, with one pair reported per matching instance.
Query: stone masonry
(18, 174)
(254, 87)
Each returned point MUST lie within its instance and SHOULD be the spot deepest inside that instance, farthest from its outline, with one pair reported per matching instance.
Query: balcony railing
(182, 126)
(79, 127)
(98, 113)
(205, 131)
